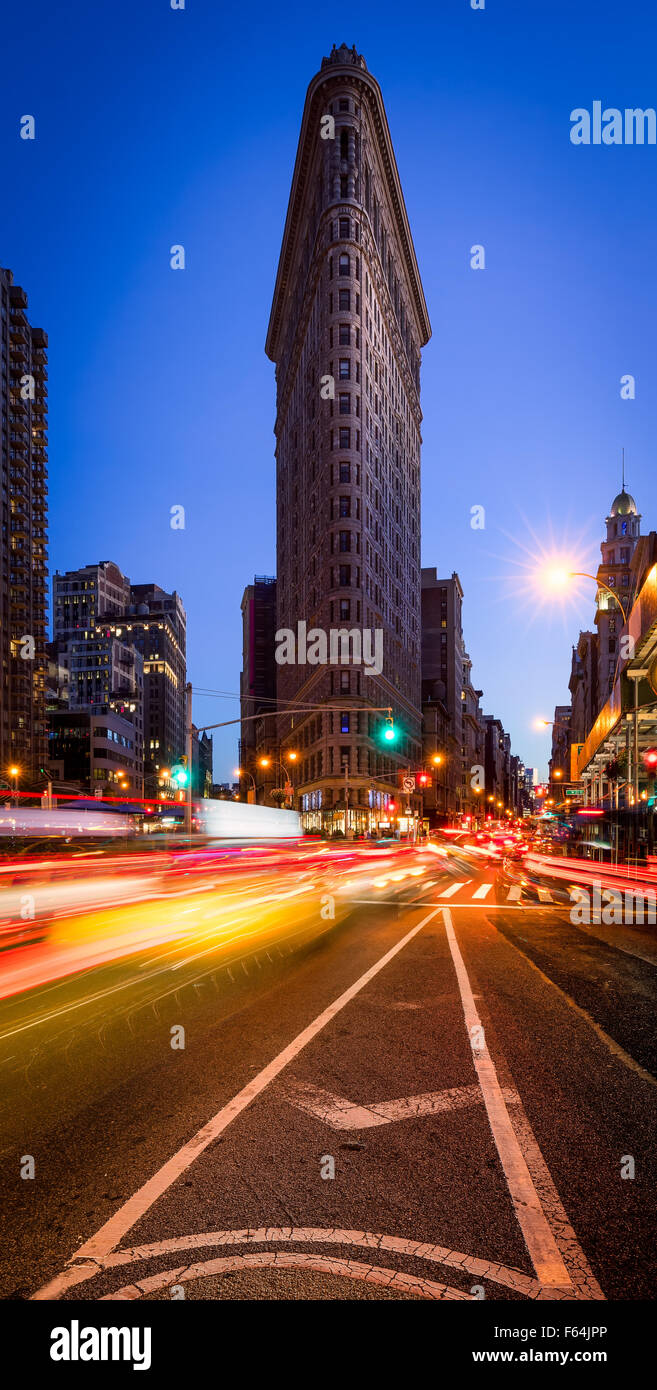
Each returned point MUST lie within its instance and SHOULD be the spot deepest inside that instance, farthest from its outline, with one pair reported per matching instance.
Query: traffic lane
(165, 917)
(588, 1108)
(68, 1042)
(264, 1171)
(431, 1179)
(615, 987)
(636, 937)
(89, 1161)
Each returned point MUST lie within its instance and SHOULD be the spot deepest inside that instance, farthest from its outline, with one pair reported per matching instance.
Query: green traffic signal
(180, 775)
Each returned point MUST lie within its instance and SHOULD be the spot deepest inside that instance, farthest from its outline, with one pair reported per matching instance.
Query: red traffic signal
(391, 806)
(650, 758)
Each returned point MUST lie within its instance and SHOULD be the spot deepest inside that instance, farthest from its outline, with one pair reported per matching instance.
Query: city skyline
(138, 345)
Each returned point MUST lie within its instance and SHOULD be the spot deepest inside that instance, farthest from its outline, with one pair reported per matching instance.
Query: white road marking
(317, 1235)
(339, 1113)
(454, 888)
(482, 891)
(131, 1211)
(409, 1285)
(514, 893)
(545, 895)
(540, 1242)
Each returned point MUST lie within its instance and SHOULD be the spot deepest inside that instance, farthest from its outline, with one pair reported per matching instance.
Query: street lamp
(267, 762)
(13, 773)
(558, 578)
(239, 773)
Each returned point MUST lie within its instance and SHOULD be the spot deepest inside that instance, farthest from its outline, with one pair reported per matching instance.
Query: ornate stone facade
(347, 326)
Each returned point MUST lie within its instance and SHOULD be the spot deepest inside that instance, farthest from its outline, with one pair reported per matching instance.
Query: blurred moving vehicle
(32, 823)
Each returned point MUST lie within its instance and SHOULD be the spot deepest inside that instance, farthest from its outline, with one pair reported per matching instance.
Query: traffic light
(180, 773)
(390, 733)
(650, 759)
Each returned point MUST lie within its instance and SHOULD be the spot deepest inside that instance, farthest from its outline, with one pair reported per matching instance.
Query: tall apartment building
(494, 762)
(127, 641)
(155, 624)
(347, 326)
(83, 595)
(442, 644)
(257, 679)
(447, 677)
(23, 601)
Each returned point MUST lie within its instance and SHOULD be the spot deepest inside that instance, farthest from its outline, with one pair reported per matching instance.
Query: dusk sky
(156, 127)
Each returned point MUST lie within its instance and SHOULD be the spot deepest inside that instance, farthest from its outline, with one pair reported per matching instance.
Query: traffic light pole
(188, 750)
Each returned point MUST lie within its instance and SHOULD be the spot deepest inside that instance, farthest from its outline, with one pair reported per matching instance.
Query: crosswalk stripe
(482, 891)
(514, 893)
(545, 895)
(454, 888)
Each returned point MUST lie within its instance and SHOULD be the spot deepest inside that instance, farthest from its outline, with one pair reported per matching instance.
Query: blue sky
(157, 127)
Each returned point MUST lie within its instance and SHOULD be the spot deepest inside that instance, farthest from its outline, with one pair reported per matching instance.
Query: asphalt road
(440, 1095)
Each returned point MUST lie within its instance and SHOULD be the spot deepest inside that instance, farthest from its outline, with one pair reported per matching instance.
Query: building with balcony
(123, 640)
(23, 573)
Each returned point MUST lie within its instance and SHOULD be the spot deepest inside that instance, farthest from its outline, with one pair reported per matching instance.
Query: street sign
(408, 784)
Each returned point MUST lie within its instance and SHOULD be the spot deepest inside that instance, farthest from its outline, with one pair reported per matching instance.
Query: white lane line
(317, 1235)
(482, 891)
(127, 1215)
(514, 893)
(548, 1264)
(339, 1113)
(454, 888)
(409, 1285)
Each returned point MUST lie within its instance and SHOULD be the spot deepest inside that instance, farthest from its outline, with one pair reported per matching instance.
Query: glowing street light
(557, 577)
(13, 773)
